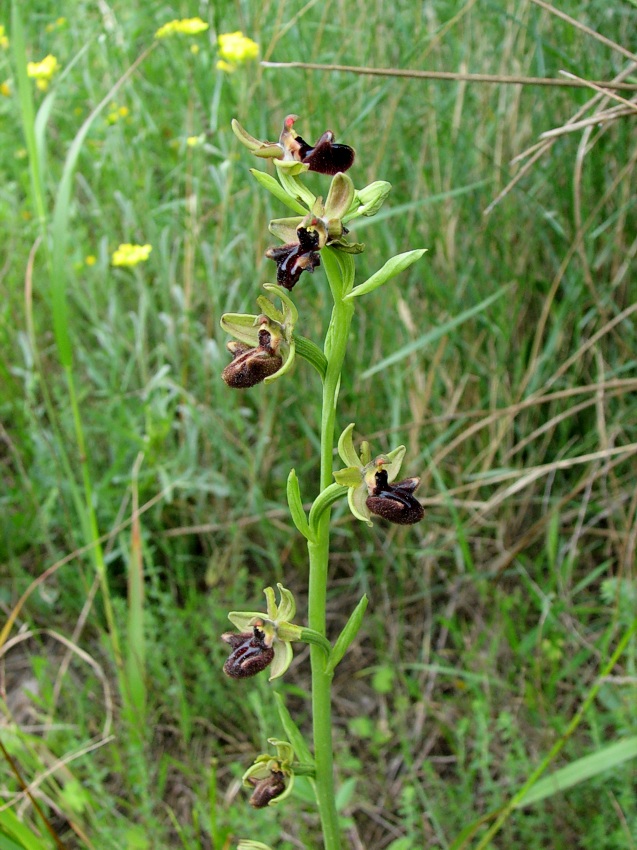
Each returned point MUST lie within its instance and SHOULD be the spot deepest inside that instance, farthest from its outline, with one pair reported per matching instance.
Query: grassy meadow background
(490, 622)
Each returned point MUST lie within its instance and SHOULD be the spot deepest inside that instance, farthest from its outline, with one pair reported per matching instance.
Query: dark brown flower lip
(395, 502)
(249, 365)
(267, 789)
(250, 654)
(292, 260)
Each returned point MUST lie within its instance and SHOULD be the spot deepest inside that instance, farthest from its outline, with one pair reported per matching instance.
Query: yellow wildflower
(222, 65)
(186, 26)
(58, 24)
(5, 89)
(4, 41)
(195, 141)
(235, 47)
(130, 255)
(90, 260)
(43, 71)
(194, 49)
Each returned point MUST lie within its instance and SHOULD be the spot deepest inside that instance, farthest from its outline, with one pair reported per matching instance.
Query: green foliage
(507, 368)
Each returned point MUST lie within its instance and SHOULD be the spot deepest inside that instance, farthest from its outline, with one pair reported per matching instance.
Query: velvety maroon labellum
(267, 789)
(326, 157)
(294, 259)
(395, 502)
(249, 655)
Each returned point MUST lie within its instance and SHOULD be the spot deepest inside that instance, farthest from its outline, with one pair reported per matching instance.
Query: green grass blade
(580, 770)
(433, 335)
(27, 111)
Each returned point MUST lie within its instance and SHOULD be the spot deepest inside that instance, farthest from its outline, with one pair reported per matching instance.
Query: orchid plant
(264, 347)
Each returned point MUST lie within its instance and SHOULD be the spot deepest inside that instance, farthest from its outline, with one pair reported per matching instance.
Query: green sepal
(346, 448)
(348, 634)
(292, 732)
(277, 190)
(310, 351)
(295, 189)
(255, 146)
(285, 228)
(324, 500)
(348, 477)
(357, 501)
(391, 268)
(241, 326)
(295, 504)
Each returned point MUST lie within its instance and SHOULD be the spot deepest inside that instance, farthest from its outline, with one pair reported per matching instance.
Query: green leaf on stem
(391, 268)
(296, 506)
(348, 634)
(277, 190)
(292, 732)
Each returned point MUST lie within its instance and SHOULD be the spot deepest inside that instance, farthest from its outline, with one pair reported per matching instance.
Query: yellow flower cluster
(130, 255)
(42, 72)
(185, 26)
(117, 112)
(235, 48)
(57, 24)
(4, 41)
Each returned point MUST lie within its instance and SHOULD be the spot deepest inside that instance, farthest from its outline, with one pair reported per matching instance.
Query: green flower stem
(318, 549)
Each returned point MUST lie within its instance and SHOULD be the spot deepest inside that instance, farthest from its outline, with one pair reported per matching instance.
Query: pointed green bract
(348, 634)
(391, 268)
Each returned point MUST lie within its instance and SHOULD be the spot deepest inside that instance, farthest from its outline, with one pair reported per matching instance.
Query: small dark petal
(267, 789)
(326, 157)
(249, 654)
(395, 502)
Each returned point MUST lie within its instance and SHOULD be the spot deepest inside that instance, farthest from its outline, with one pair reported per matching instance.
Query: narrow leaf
(580, 770)
(348, 634)
(277, 190)
(391, 268)
(296, 506)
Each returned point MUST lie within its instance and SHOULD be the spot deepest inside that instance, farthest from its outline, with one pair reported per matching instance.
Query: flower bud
(250, 654)
(395, 502)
